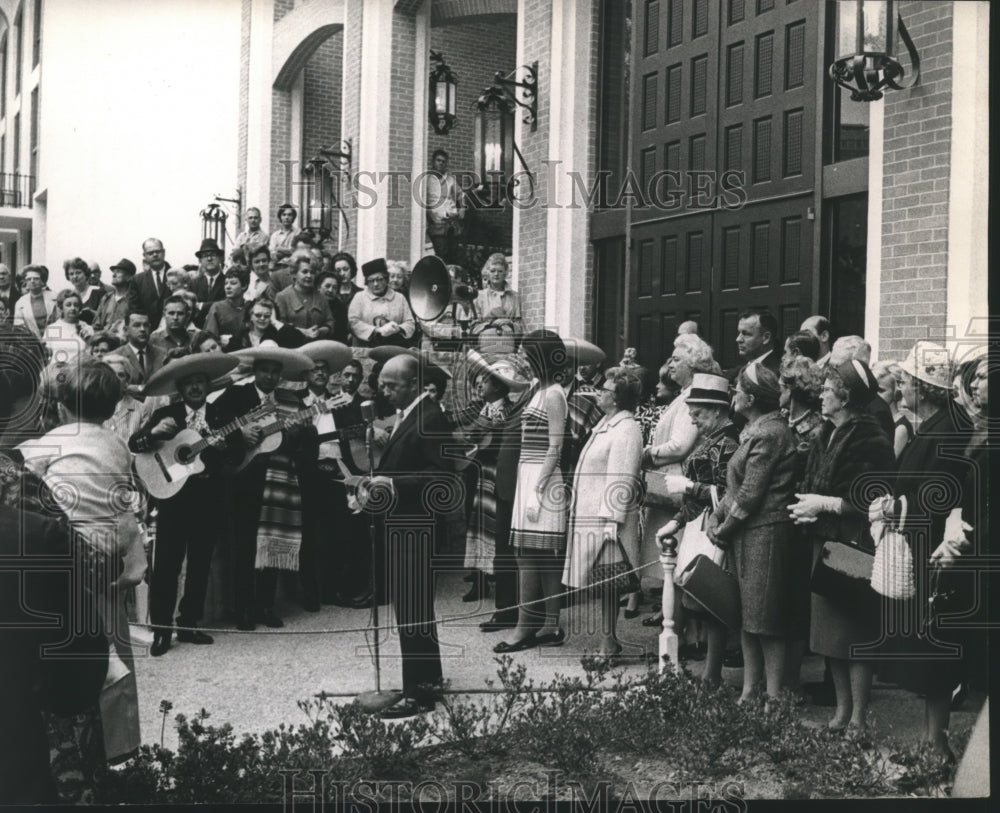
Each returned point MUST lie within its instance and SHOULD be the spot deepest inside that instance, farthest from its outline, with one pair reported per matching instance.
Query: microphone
(368, 411)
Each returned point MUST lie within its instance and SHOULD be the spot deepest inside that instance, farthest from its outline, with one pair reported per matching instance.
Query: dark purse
(620, 575)
(843, 572)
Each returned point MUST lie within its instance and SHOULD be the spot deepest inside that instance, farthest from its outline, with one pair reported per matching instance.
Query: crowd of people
(261, 385)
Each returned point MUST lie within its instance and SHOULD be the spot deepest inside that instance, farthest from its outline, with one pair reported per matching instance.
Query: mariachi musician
(266, 528)
(190, 521)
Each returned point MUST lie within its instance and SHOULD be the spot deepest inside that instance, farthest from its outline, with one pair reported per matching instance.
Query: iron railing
(16, 190)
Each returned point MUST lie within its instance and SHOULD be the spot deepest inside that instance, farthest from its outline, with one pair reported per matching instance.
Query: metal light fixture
(444, 92)
(495, 147)
(872, 65)
(213, 224)
(321, 174)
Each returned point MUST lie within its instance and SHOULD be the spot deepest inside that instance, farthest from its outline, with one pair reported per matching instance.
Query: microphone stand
(374, 701)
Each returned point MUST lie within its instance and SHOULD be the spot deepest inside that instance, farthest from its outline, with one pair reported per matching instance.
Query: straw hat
(293, 363)
(930, 363)
(335, 354)
(164, 381)
(499, 368)
(584, 352)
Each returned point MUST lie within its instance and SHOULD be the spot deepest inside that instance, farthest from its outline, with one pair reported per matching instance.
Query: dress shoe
(498, 622)
(161, 643)
(655, 620)
(504, 648)
(246, 622)
(557, 638)
(269, 619)
(194, 636)
(630, 614)
(310, 605)
(362, 602)
(406, 707)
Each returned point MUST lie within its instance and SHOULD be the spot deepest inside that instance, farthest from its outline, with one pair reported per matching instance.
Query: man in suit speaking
(412, 465)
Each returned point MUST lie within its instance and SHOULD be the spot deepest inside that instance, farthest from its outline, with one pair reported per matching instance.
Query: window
(34, 133)
(18, 49)
(17, 143)
(36, 34)
(3, 76)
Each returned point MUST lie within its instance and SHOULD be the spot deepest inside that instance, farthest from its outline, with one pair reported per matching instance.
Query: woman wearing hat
(850, 446)
(493, 383)
(927, 482)
(705, 469)
(752, 522)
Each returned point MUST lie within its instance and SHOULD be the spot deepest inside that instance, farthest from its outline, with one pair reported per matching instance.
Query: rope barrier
(391, 627)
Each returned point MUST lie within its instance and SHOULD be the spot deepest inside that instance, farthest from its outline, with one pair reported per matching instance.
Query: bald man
(412, 462)
(821, 328)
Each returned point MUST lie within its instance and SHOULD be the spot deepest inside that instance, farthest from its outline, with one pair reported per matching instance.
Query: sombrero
(382, 354)
(293, 363)
(335, 354)
(584, 352)
(499, 368)
(164, 381)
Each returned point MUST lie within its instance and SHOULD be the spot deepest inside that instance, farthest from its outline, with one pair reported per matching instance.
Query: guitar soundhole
(184, 454)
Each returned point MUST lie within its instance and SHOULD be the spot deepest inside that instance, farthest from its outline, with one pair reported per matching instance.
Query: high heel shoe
(655, 620)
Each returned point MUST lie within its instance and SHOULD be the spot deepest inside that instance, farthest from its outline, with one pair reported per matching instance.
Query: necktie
(399, 420)
(142, 362)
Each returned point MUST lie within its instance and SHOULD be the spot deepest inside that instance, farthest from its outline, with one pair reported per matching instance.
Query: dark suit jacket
(154, 361)
(27, 679)
(207, 294)
(13, 294)
(772, 362)
(148, 298)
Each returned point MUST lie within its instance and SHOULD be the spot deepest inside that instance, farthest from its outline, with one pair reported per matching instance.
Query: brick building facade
(851, 210)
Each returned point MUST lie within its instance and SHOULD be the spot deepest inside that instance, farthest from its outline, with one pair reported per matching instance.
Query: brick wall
(915, 188)
(281, 127)
(321, 102)
(352, 103)
(531, 251)
(461, 44)
(282, 7)
(401, 84)
(244, 91)
(593, 91)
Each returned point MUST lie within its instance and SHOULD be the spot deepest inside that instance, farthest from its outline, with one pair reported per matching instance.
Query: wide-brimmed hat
(124, 264)
(708, 389)
(334, 354)
(381, 354)
(862, 386)
(498, 368)
(377, 266)
(930, 363)
(293, 363)
(583, 352)
(165, 380)
(208, 246)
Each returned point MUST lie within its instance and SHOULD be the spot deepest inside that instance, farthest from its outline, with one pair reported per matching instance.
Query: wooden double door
(725, 139)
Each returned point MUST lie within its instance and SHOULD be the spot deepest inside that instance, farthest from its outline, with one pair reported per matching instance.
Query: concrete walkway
(254, 680)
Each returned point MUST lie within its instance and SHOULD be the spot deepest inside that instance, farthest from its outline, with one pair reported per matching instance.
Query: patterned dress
(480, 546)
(548, 532)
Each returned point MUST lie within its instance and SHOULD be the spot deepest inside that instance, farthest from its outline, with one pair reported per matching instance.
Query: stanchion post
(668, 636)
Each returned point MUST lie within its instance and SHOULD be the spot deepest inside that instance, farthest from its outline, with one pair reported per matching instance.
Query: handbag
(843, 571)
(620, 575)
(892, 568)
(711, 588)
(694, 539)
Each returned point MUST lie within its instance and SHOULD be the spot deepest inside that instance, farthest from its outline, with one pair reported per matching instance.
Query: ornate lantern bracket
(527, 87)
(873, 65)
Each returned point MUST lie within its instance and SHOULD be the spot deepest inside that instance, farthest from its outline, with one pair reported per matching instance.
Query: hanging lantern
(213, 224)
(443, 95)
(494, 136)
(867, 43)
(318, 187)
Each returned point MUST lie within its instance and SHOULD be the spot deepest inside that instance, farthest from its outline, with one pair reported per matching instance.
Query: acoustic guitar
(165, 470)
(272, 426)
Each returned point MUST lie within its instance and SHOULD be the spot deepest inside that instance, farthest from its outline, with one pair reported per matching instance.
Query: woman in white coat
(606, 494)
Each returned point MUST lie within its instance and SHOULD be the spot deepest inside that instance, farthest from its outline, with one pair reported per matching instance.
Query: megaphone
(430, 288)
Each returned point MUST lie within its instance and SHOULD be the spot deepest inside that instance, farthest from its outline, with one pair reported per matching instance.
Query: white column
(372, 146)
(515, 243)
(421, 72)
(873, 277)
(569, 136)
(258, 183)
(968, 185)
